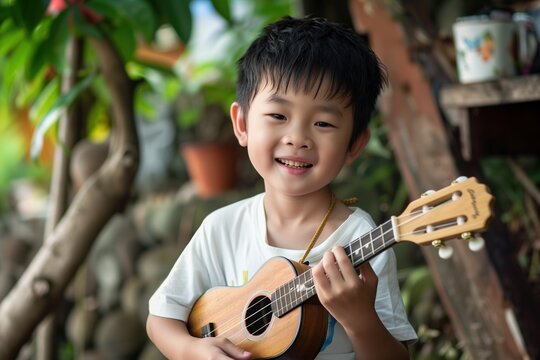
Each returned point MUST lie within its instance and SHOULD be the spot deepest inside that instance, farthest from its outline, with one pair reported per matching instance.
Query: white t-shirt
(229, 248)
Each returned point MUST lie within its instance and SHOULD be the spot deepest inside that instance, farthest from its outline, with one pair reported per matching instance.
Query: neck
(283, 209)
(298, 290)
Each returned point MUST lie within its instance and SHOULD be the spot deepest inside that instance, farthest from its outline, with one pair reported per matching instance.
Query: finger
(330, 267)
(319, 277)
(366, 273)
(344, 263)
(234, 351)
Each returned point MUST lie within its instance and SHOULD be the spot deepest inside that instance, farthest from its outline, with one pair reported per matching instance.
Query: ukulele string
(412, 216)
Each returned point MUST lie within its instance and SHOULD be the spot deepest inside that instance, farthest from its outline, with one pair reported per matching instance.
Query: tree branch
(65, 249)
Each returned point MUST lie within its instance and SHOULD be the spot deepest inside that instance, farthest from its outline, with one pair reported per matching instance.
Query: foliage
(518, 208)
(33, 60)
(210, 82)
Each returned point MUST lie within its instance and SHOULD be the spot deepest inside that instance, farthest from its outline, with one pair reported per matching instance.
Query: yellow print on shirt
(245, 277)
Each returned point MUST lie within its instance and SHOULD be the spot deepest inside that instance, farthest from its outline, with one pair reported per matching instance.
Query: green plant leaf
(10, 39)
(42, 54)
(124, 39)
(103, 8)
(31, 90)
(30, 12)
(84, 27)
(223, 8)
(59, 34)
(12, 68)
(138, 13)
(52, 116)
(178, 14)
(5, 13)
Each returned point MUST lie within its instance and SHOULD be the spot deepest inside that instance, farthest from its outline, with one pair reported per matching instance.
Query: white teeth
(295, 164)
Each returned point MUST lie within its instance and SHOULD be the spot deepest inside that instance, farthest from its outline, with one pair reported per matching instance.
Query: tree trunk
(65, 249)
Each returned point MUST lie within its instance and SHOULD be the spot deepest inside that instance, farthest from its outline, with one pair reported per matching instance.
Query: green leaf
(223, 8)
(30, 12)
(124, 39)
(42, 54)
(45, 99)
(31, 90)
(138, 13)
(6, 12)
(103, 8)
(178, 14)
(14, 66)
(9, 40)
(59, 34)
(84, 27)
(52, 116)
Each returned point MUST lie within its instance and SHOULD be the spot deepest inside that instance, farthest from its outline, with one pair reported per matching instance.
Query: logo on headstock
(474, 204)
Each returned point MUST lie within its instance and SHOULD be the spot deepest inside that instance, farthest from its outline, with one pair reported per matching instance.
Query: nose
(298, 139)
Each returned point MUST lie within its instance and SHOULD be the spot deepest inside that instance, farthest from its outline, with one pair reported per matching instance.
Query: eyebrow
(275, 98)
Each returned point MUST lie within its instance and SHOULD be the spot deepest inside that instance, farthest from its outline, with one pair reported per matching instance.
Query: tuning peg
(428, 192)
(466, 236)
(476, 243)
(445, 252)
(459, 179)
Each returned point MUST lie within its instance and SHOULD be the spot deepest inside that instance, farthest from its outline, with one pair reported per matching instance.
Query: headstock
(458, 210)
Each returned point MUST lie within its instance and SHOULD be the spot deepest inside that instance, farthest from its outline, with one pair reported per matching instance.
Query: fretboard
(301, 288)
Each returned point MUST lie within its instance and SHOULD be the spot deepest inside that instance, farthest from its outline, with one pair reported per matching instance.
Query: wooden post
(467, 283)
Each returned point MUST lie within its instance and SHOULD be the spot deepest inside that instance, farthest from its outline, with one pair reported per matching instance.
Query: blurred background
(111, 111)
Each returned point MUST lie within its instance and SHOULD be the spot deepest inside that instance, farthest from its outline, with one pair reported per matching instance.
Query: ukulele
(276, 315)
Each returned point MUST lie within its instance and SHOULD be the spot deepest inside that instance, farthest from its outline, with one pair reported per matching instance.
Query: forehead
(317, 87)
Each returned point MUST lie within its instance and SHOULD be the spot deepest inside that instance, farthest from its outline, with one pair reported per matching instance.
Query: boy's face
(298, 142)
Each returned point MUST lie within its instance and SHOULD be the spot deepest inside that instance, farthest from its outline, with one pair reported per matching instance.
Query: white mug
(489, 48)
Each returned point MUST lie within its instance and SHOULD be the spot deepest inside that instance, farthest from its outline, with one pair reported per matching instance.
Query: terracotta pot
(211, 166)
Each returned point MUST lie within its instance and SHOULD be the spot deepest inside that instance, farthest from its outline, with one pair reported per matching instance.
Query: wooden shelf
(503, 91)
(497, 117)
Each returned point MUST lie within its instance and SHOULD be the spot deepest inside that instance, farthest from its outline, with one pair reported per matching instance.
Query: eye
(323, 124)
(278, 116)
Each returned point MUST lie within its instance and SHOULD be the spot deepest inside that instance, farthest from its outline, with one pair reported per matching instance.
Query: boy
(306, 90)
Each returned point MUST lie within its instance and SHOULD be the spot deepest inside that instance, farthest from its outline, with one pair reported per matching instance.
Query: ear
(357, 146)
(239, 124)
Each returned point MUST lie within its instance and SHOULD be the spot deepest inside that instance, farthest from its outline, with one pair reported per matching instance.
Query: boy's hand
(219, 348)
(346, 295)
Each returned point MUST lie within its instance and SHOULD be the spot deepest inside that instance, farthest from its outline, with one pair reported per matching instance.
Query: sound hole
(258, 315)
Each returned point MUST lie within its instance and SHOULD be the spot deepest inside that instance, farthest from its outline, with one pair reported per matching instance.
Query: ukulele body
(244, 316)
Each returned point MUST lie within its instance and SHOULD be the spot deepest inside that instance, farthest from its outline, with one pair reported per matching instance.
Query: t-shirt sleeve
(388, 303)
(188, 279)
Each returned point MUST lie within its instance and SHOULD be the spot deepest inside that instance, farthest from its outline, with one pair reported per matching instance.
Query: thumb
(236, 352)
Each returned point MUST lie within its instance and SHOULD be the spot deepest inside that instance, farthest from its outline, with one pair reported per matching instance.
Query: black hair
(304, 53)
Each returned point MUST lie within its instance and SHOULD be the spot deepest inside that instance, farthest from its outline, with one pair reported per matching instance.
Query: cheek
(259, 149)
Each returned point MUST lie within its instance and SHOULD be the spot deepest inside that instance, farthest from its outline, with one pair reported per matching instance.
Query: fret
(280, 299)
(349, 252)
(300, 288)
(290, 295)
(380, 241)
(296, 290)
(355, 251)
(371, 240)
(388, 233)
(365, 244)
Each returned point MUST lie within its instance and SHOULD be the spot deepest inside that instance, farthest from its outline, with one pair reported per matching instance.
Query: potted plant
(207, 142)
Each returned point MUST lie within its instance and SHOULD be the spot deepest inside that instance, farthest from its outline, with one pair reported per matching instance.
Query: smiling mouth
(294, 164)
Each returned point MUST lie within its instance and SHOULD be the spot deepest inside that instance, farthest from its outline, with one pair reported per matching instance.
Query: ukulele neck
(301, 288)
